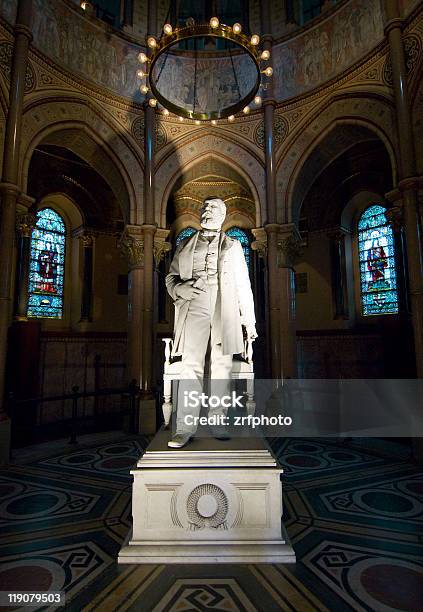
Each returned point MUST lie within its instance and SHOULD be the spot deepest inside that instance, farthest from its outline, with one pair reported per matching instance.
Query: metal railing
(132, 392)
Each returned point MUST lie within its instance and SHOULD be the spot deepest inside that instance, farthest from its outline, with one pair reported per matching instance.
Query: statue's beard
(210, 223)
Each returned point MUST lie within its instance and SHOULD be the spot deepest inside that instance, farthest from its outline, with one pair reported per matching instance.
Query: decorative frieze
(25, 223)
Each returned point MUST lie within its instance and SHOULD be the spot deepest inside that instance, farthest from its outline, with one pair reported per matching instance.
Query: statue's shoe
(179, 440)
(220, 433)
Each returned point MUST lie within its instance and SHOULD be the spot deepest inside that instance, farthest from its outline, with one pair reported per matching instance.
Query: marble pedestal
(212, 501)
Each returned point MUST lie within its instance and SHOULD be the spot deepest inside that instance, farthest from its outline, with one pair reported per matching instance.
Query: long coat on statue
(236, 297)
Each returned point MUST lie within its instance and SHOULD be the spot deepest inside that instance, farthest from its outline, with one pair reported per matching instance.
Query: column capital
(288, 243)
(131, 243)
(260, 242)
(86, 235)
(87, 240)
(25, 223)
(161, 246)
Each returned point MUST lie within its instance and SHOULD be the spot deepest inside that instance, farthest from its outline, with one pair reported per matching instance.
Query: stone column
(25, 223)
(395, 218)
(407, 169)
(270, 215)
(9, 191)
(289, 249)
(274, 291)
(148, 231)
(161, 248)
(131, 245)
(87, 241)
(136, 243)
(261, 353)
(339, 272)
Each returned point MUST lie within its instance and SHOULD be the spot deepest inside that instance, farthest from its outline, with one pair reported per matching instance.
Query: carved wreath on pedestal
(199, 518)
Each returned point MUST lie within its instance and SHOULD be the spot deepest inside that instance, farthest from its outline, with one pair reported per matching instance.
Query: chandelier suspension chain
(234, 71)
(222, 97)
(195, 77)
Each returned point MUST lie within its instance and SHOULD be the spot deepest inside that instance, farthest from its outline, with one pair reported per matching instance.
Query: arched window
(378, 277)
(242, 236)
(47, 266)
(185, 233)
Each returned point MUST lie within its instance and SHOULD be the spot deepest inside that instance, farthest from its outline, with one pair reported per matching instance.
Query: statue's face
(213, 213)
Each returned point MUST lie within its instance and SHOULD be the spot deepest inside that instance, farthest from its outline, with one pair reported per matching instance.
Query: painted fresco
(321, 53)
(85, 49)
(300, 64)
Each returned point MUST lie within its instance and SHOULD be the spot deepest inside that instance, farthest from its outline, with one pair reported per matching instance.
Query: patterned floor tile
(354, 517)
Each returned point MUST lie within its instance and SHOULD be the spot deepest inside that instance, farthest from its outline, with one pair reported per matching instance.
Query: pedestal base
(209, 502)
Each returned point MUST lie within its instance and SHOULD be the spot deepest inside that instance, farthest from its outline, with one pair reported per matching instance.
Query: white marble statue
(209, 283)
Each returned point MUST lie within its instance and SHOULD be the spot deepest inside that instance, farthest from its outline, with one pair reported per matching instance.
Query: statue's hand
(250, 331)
(186, 290)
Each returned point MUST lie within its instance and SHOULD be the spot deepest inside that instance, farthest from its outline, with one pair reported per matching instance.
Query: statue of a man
(209, 283)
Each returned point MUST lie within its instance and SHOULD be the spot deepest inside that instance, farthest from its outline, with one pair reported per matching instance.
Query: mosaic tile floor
(355, 519)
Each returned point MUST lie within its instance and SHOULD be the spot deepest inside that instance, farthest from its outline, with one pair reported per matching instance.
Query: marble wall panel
(69, 361)
(340, 356)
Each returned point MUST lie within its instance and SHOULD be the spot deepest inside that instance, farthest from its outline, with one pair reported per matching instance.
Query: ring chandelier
(200, 85)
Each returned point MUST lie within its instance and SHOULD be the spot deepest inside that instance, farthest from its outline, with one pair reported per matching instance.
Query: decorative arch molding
(208, 146)
(369, 112)
(93, 139)
(65, 206)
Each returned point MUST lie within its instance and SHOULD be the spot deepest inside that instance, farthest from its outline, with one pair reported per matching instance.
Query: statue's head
(213, 213)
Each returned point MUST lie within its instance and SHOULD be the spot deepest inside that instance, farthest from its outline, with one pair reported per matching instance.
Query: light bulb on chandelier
(196, 105)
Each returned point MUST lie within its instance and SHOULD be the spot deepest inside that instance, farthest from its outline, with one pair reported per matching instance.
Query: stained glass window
(185, 233)
(239, 234)
(378, 277)
(47, 266)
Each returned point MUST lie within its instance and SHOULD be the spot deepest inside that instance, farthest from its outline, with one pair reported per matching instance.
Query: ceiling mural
(87, 48)
(320, 53)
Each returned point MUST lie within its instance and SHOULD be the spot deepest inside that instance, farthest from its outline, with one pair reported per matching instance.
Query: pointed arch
(342, 111)
(82, 130)
(186, 157)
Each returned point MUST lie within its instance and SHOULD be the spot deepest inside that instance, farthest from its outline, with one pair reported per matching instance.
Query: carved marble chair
(242, 369)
